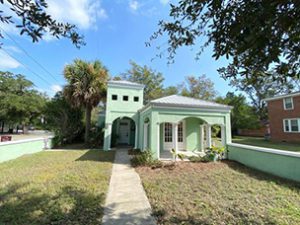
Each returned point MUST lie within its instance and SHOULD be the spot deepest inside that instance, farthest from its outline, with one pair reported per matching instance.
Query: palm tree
(86, 87)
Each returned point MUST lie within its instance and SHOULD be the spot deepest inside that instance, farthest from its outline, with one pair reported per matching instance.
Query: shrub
(134, 151)
(215, 153)
(145, 158)
(96, 138)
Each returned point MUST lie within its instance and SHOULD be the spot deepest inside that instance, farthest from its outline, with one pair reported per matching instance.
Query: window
(136, 98)
(294, 126)
(291, 125)
(125, 98)
(286, 126)
(168, 132)
(288, 103)
(114, 97)
(180, 132)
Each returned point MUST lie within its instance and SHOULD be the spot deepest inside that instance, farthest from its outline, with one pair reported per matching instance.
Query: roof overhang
(185, 106)
(125, 85)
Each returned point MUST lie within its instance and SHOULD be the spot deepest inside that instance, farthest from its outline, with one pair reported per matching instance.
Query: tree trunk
(2, 127)
(88, 112)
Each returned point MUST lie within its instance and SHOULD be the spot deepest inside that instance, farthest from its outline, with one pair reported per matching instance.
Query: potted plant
(216, 153)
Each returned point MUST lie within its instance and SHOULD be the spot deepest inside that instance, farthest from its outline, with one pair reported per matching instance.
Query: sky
(115, 33)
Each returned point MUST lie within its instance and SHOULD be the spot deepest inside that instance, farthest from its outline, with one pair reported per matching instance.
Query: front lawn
(219, 193)
(261, 142)
(57, 187)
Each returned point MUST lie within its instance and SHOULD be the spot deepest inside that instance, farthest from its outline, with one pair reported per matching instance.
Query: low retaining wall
(14, 149)
(284, 164)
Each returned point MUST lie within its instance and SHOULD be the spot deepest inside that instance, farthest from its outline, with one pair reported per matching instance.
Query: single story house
(284, 117)
(172, 122)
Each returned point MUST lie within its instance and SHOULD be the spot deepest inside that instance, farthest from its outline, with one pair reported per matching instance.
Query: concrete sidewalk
(126, 202)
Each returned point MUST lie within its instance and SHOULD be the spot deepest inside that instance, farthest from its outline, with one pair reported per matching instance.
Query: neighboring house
(284, 117)
(174, 121)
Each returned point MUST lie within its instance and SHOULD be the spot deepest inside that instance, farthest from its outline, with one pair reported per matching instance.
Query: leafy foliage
(64, 120)
(198, 87)
(86, 87)
(145, 158)
(243, 116)
(20, 104)
(256, 36)
(152, 80)
(34, 21)
(263, 87)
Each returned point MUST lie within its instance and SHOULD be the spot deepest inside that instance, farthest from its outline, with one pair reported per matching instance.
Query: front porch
(190, 136)
(183, 124)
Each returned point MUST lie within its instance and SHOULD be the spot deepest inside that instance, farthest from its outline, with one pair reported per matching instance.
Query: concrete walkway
(126, 202)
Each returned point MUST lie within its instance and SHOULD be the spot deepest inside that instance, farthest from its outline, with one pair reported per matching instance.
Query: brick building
(284, 117)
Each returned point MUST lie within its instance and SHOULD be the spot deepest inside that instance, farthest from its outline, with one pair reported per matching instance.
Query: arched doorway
(123, 132)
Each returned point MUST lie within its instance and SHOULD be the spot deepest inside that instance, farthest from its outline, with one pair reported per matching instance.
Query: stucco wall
(280, 163)
(15, 149)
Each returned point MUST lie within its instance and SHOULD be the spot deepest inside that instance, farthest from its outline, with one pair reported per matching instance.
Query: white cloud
(134, 5)
(56, 88)
(11, 48)
(83, 13)
(164, 2)
(7, 62)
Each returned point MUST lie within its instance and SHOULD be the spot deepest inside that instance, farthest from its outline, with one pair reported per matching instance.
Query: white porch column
(136, 137)
(108, 136)
(208, 135)
(223, 138)
(202, 144)
(175, 137)
(158, 141)
(145, 136)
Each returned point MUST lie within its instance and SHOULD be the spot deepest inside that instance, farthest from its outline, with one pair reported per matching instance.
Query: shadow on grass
(259, 175)
(67, 206)
(97, 155)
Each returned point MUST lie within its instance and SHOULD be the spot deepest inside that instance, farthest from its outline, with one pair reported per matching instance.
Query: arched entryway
(123, 132)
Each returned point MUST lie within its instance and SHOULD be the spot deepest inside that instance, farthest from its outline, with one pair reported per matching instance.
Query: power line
(26, 67)
(26, 53)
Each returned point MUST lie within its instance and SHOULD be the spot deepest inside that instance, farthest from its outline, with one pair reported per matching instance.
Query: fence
(285, 164)
(14, 149)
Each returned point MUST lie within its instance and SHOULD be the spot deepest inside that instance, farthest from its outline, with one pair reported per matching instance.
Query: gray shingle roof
(125, 83)
(177, 100)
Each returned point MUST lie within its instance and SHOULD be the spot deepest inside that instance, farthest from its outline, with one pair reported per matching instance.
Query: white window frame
(284, 103)
(290, 125)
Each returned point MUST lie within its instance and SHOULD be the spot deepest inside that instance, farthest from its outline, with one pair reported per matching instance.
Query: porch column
(145, 136)
(158, 140)
(223, 135)
(107, 136)
(202, 138)
(136, 136)
(175, 137)
(208, 135)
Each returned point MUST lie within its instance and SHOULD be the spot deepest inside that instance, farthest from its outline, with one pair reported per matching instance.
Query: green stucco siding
(12, 151)
(276, 164)
(193, 134)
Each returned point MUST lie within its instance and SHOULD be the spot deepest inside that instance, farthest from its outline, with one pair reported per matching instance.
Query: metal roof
(178, 100)
(124, 83)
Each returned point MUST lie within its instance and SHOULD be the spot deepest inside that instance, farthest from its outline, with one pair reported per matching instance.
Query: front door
(124, 132)
(168, 136)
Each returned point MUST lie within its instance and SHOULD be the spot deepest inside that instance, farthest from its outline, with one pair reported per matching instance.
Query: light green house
(174, 121)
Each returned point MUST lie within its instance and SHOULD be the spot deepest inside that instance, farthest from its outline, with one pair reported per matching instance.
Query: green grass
(261, 142)
(220, 193)
(59, 187)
